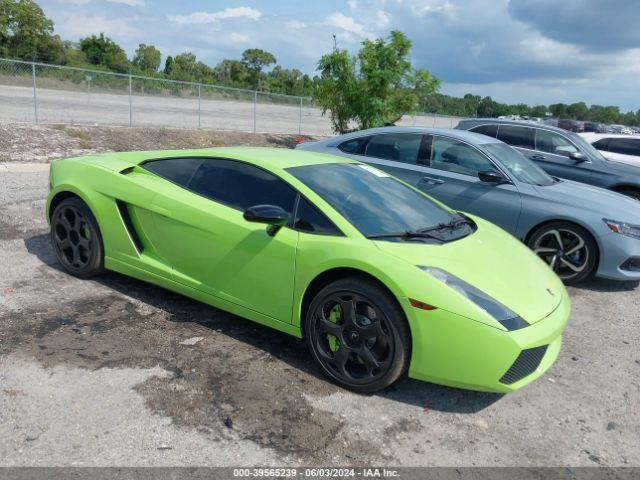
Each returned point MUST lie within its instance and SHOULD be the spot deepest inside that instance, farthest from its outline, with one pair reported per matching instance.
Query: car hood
(630, 171)
(496, 263)
(580, 195)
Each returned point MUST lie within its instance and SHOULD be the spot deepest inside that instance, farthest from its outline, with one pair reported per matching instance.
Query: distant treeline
(27, 34)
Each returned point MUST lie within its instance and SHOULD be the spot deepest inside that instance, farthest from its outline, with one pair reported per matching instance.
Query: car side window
(625, 146)
(551, 142)
(311, 220)
(239, 185)
(454, 156)
(488, 130)
(176, 170)
(516, 136)
(399, 147)
(602, 144)
(353, 146)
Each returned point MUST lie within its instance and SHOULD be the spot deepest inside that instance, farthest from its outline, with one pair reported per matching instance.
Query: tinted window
(352, 146)
(177, 170)
(401, 147)
(310, 219)
(552, 142)
(454, 156)
(602, 144)
(520, 167)
(516, 136)
(241, 186)
(626, 146)
(372, 201)
(489, 130)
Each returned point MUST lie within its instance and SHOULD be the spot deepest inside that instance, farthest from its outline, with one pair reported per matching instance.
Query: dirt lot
(117, 372)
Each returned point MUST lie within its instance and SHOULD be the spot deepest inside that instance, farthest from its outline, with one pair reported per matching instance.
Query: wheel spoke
(348, 312)
(554, 263)
(578, 247)
(576, 268)
(326, 326)
(543, 250)
(373, 330)
(557, 237)
(367, 358)
(340, 359)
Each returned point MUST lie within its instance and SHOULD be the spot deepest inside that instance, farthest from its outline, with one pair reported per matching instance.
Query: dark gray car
(561, 153)
(577, 229)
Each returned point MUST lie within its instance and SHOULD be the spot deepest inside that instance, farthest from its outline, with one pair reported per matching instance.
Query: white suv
(616, 147)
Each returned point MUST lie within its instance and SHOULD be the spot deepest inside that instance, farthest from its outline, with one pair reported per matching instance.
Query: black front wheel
(358, 335)
(76, 238)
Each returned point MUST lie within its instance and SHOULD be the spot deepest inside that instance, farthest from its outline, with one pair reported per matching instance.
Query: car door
(213, 249)
(421, 164)
(552, 152)
(625, 150)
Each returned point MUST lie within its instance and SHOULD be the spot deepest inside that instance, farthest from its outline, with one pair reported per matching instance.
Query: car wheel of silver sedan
(568, 249)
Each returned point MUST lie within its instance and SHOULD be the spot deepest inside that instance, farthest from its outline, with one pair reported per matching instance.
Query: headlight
(502, 314)
(623, 228)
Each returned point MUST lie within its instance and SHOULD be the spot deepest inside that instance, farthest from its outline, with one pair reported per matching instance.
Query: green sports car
(378, 278)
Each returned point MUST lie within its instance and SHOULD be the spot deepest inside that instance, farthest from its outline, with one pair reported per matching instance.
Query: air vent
(128, 224)
(526, 363)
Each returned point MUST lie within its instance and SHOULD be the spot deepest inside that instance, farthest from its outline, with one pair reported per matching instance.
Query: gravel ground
(114, 371)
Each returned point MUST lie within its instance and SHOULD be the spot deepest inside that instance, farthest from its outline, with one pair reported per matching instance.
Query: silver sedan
(577, 229)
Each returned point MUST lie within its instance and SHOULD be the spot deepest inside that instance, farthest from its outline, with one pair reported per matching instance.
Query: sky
(516, 51)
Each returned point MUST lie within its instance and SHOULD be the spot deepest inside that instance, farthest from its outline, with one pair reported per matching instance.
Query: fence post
(130, 102)
(199, 109)
(35, 95)
(255, 103)
(300, 119)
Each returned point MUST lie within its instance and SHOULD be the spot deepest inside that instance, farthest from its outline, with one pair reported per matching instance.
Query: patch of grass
(86, 144)
(216, 142)
(164, 130)
(59, 126)
(80, 135)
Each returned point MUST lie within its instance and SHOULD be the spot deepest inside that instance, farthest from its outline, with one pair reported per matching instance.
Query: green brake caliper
(335, 315)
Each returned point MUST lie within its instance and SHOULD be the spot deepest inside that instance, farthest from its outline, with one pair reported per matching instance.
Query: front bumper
(452, 350)
(615, 251)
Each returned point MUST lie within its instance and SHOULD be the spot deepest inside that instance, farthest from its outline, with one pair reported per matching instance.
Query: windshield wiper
(406, 234)
(452, 225)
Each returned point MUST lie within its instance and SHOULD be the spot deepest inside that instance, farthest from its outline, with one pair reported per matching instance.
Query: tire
(364, 352)
(629, 192)
(568, 249)
(76, 238)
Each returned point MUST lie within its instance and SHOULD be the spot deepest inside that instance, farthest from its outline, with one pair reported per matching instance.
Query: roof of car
(598, 136)
(464, 135)
(521, 123)
(269, 158)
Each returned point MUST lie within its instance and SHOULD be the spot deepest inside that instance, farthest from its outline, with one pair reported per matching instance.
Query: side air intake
(128, 224)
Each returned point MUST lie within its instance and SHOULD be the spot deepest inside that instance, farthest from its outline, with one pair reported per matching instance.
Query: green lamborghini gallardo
(378, 278)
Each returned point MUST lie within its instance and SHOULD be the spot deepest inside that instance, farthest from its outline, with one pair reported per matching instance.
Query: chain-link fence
(36, 92)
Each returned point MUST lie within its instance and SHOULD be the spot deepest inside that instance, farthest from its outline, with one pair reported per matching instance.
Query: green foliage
(375, 87)
(147, 58)
(26, 33)
(255, 59)
(102, 51)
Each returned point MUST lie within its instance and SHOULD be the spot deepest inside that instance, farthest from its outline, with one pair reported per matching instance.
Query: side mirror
(578, 157)
(491, 176)
(272, 215)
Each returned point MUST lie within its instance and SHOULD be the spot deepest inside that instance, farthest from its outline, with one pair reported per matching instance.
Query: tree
(147, 58)
(168, 65)
(578, 111)
(255, 59)
(105, 52)
(26, 33)
(377, 86)
(558, 110)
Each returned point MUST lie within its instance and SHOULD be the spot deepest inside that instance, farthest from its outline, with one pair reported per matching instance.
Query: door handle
(431, 181)
(537, 157)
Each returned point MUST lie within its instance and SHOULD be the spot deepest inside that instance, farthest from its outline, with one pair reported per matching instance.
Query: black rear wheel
(76, 238)
(567, 248)
(358, 335)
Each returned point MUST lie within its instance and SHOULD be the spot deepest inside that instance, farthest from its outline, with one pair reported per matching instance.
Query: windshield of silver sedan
(380, 206)
(523, 169)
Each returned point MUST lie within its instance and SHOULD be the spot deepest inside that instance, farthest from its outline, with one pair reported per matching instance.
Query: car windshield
(586, 147)
(372, 201)
(520, 167)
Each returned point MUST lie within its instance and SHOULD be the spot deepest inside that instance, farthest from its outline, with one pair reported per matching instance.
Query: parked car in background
(561, 153)
(571, 125)
(616, 147)
(483, 176)
(595, 127)
(621, 129)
